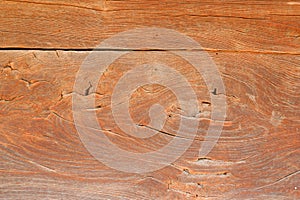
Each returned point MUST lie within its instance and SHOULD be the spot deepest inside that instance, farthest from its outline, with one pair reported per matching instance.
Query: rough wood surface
(256, 156)
(255, 45)
(232, 25)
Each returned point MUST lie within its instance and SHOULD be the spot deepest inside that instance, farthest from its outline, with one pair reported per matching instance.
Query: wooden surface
(256, 47)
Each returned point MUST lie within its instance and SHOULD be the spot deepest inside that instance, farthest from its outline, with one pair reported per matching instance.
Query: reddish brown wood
(255, 45)
(263, 26)
(257, 155)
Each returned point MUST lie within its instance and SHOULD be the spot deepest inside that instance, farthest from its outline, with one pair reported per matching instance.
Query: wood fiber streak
(256, 156)
(264, 26)
(255, 46)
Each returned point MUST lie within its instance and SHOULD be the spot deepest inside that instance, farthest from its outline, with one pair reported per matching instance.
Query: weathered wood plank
(255, 45)
(264, 26)
(257, 155)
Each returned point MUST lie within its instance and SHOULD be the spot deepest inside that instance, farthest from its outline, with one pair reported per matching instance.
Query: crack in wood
(145, 50)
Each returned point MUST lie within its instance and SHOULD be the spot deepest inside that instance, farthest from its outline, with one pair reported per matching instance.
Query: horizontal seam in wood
(158, 49)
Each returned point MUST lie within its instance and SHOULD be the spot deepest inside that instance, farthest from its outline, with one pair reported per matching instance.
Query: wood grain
(255, 45)
(263, 26)
(256, 156)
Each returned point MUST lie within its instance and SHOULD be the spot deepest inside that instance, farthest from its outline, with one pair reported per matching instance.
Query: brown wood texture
(231, 25)
(255, 45)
